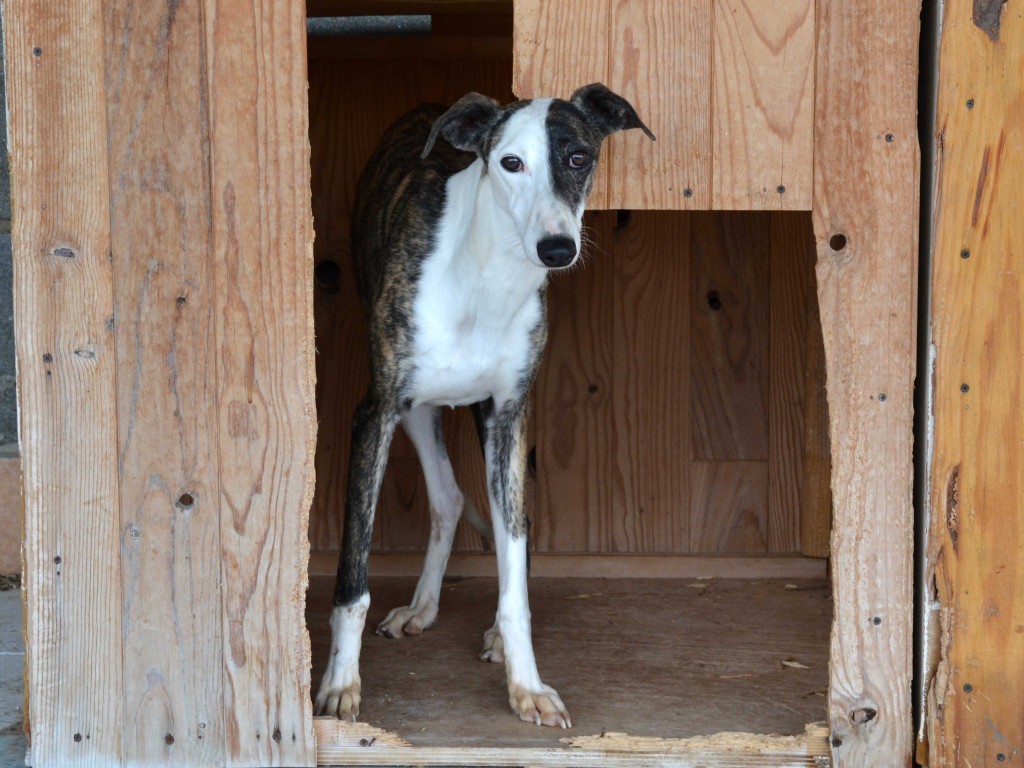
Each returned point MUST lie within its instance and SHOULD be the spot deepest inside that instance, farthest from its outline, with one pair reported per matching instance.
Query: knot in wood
(863, 715)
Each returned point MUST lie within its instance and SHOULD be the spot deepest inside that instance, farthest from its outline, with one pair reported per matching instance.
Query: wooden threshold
(339, 743)
(325, 563)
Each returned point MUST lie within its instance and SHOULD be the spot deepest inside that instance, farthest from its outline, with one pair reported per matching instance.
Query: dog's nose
(556, 251)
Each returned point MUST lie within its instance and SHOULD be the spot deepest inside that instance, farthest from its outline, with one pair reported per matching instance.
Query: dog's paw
(494, 647)
(339, 694)
(409, 620)
(541, 706)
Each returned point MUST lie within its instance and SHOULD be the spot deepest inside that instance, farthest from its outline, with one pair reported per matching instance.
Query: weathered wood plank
(262, 239)
(976, 711)
(651, 356)
(659, 58)
(866, 226)
(167, 383)
(816, 475)
(63, 307)
(793, 321)
(558, 47)
(762, 104)
(729, 336)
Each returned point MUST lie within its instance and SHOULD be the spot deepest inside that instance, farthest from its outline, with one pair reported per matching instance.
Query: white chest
(471, 342)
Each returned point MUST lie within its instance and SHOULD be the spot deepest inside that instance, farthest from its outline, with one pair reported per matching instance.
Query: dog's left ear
(608, 111)
(466, 124)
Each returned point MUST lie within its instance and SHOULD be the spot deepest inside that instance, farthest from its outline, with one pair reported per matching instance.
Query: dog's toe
(494, 647)
(342, 703)
(408, 621)
(541, 707)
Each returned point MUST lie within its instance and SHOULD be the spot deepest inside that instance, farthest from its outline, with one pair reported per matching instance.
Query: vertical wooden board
(558, 47)
(792, 325)
(866, 190)
(976, 712)
(262, 237)
(63, 305)
(729, 336)
(763, 104)
(659, 59)
(729, 507)
(579, 490)
(651, 323)
(167, 412)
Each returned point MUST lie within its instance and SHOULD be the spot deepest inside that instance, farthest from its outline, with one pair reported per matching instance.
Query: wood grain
(762, 104)
(815, 485)
(976, 715)
(579, 490)
(728, 511)
(262, 240)
(729, 336)
(659, 59)
(167, 383)
(557, 48)
(866, 189)
(650, 318)
(63, 305)
(793, 322)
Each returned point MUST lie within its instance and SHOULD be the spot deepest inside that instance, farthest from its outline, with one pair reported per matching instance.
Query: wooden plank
(578, 486)
(167, 410)
(262, 238)
(558, 47)
(63, 305)
(404, 7)
(793, 321)
(763, 104)
(729, 336)
(650, 318)
(659, 58)
(729, 507)
(542, 565)
(976, 714)
(866, 227)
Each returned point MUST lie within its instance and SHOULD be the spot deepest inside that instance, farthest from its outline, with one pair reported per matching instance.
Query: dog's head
(541, 155)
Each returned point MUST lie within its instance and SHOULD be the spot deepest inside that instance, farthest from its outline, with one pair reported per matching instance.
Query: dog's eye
(579, 160)
(511, 163)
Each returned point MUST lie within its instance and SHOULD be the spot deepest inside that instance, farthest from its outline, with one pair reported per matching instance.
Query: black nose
(556, 251)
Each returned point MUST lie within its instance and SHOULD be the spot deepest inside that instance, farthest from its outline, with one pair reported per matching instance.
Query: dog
(453, 242)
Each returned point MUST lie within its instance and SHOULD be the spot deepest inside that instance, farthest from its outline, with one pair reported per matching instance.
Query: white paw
(339, 692)
(540, 706)
(408, 620)
(494, 647)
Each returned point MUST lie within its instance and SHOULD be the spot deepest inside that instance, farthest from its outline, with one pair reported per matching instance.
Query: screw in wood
(890, 138)
(687, 192)
(877, 620)
(781, 189)
(965, 388)
(965, 254)
(836, 741)
(970, 103)
(37, 51)
(968, 687)
(882, 397)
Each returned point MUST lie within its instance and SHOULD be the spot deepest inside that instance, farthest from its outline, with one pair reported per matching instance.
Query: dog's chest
(473, 336)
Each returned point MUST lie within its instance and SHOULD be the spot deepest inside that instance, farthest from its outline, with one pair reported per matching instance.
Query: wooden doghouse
(165, 296)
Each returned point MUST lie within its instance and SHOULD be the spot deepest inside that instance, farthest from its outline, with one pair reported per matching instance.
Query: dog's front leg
(372, 430)
(529, 698)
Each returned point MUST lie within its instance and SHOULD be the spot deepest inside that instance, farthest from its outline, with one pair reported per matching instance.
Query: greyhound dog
(453, 243)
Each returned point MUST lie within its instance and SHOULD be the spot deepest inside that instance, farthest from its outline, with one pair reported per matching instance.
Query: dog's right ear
(466, 124)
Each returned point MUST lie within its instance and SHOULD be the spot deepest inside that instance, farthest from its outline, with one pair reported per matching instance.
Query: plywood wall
(669, 415)
(726, 85)
(162, 248)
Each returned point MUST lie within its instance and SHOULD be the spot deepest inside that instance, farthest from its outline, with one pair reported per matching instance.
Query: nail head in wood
(965, 254)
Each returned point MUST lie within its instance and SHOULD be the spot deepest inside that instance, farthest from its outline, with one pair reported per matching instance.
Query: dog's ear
(608, 111)
(466, 123)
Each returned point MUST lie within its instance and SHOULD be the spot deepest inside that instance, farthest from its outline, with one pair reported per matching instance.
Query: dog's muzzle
(556, 252)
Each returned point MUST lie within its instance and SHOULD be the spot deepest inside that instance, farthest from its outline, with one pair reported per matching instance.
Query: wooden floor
(647, 657)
